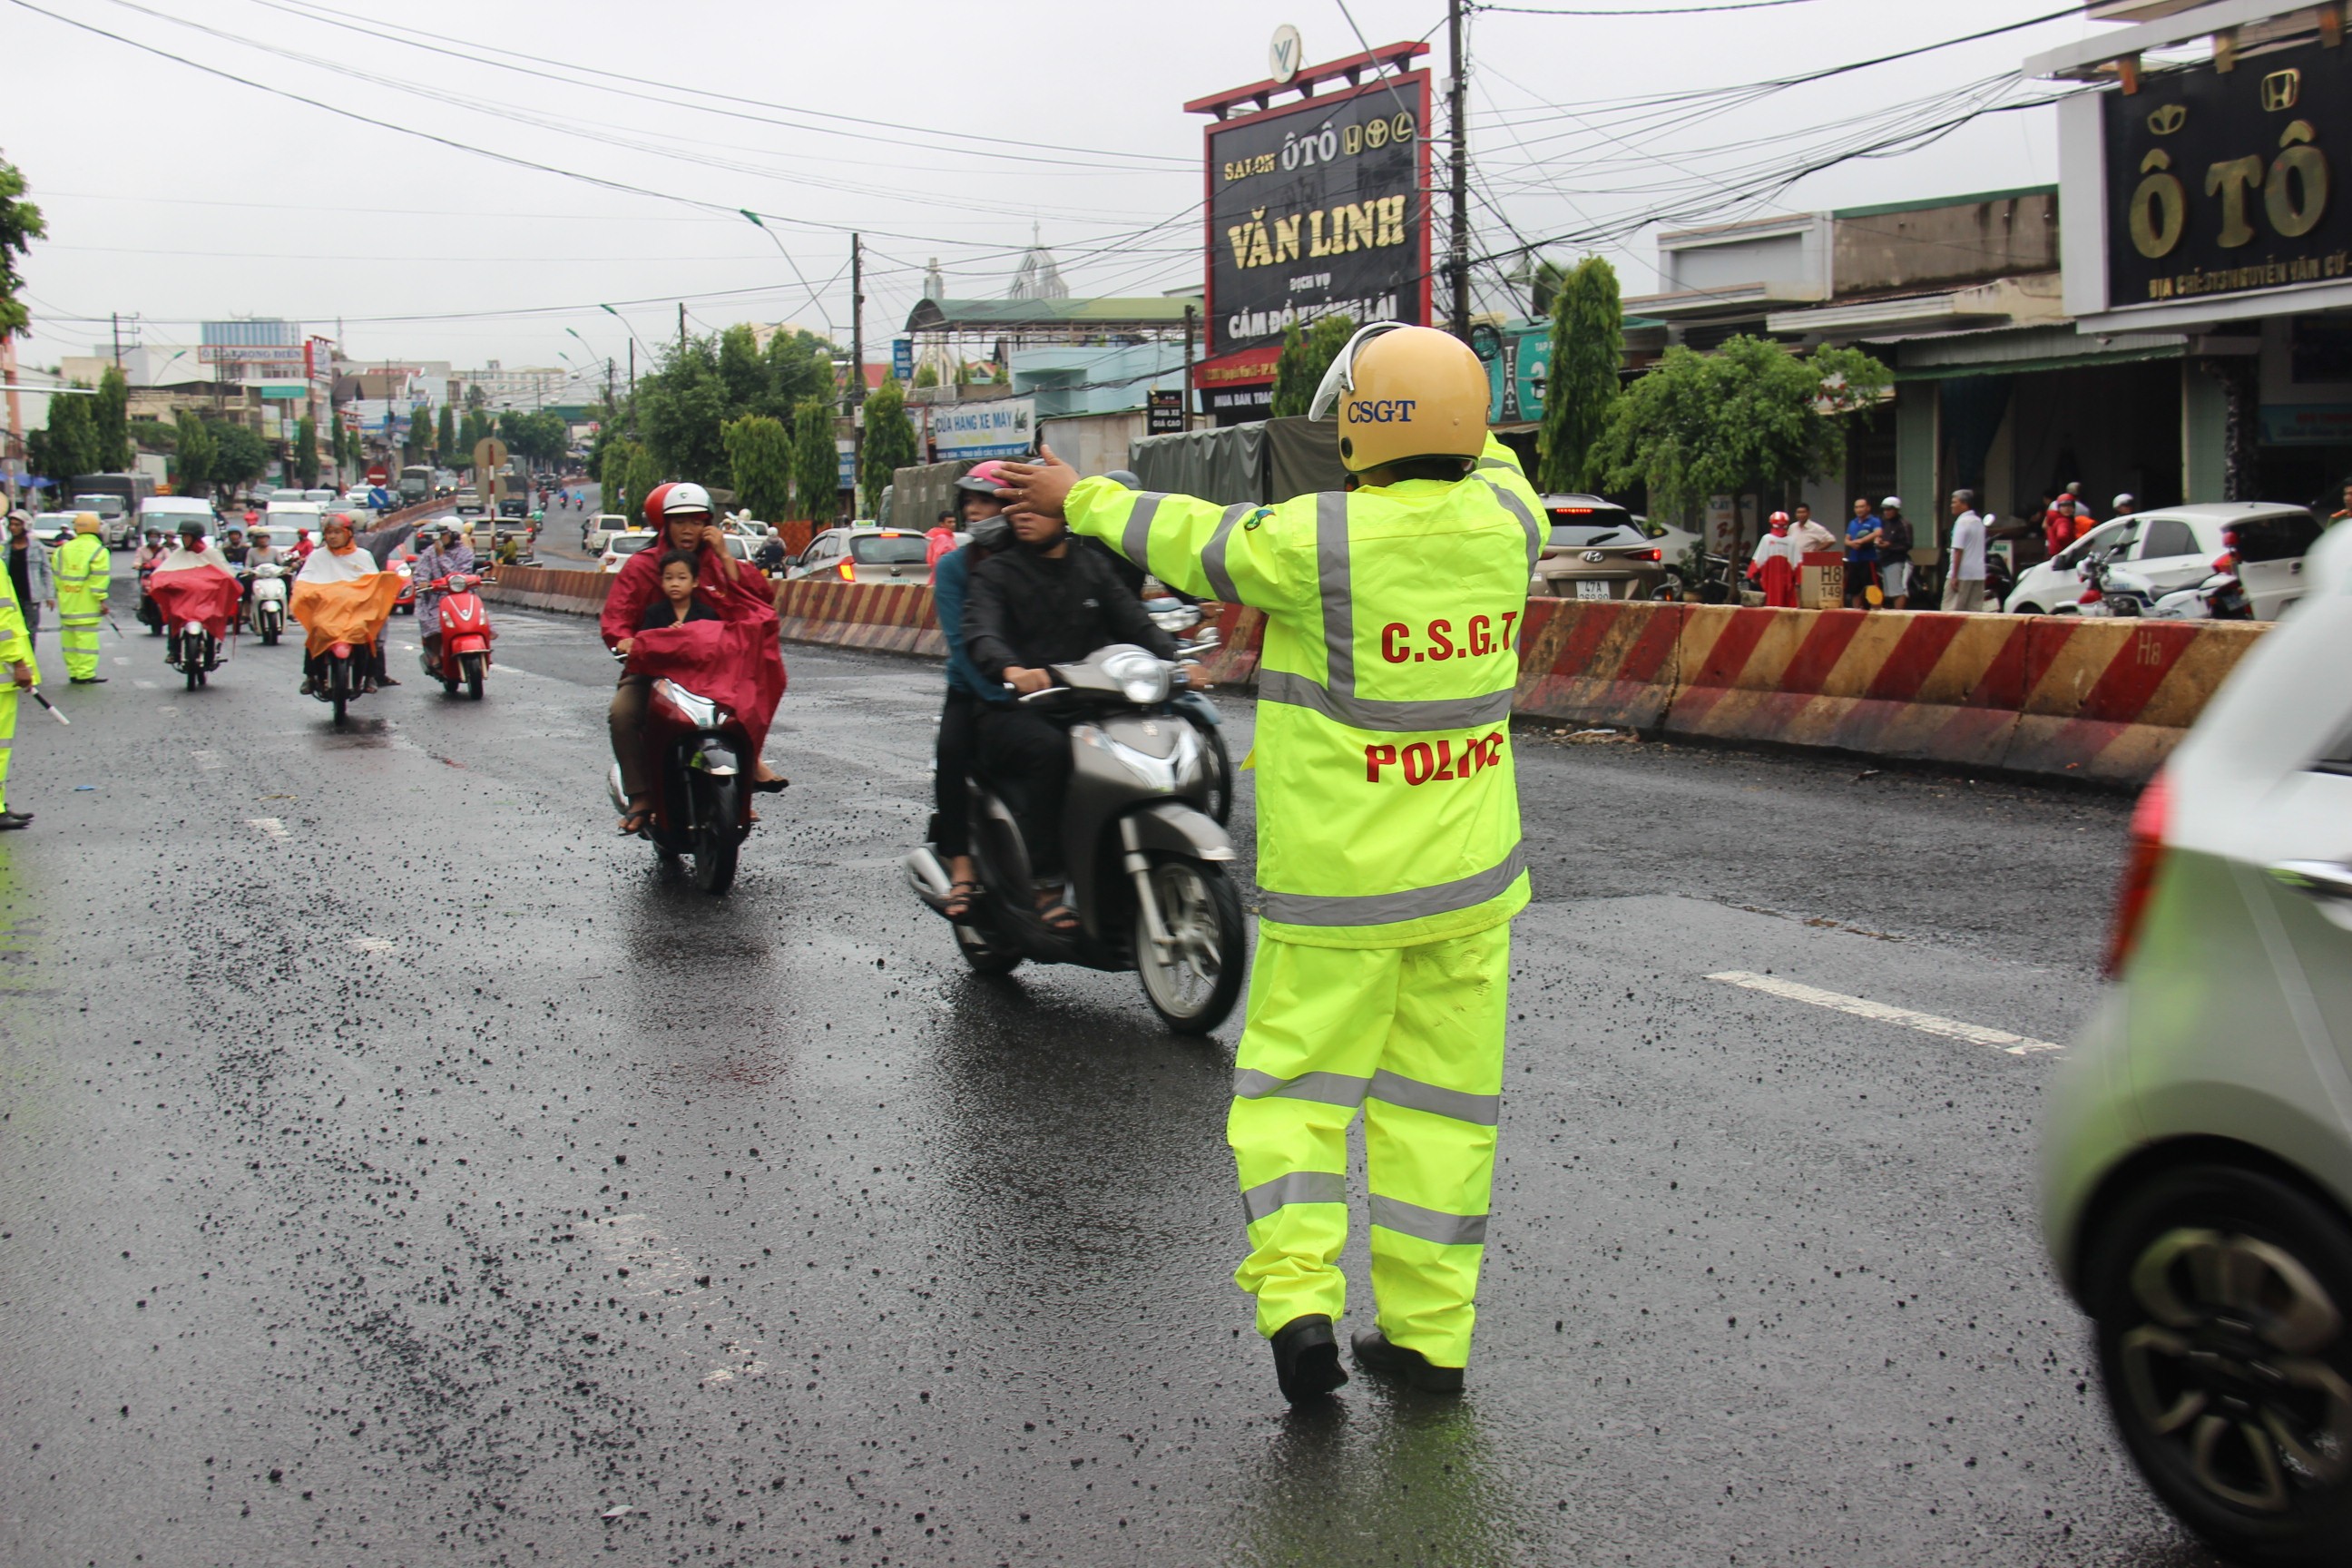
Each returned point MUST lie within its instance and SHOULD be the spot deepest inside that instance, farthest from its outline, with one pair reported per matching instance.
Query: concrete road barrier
(2053, 695)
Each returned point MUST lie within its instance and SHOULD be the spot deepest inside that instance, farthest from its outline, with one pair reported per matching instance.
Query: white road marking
(369, 944)
(122, 659)
(145, 685)
(1887, 1013)
(207, 759)
(269, 824)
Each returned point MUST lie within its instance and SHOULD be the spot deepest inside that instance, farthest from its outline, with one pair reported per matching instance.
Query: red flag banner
(203, 594)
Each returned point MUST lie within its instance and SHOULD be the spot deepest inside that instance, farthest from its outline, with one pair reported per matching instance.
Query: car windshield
(105, 506)
(2287, 536)
(888, 549)
(629, 544)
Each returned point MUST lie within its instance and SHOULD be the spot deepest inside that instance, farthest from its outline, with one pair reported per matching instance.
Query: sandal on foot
(960, 898)
(636, 820)
(1059, 917)
(769, 787)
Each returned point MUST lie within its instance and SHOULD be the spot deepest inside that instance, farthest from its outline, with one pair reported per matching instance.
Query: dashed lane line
(269, 824)
(1887, 1013)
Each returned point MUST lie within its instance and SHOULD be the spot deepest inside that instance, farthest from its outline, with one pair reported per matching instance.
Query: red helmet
(653, 507)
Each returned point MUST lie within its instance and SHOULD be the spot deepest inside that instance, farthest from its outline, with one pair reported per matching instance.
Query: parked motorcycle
(465, 636)
(1147, 863)
(1712, 580)
(703, 758)
(267, 611)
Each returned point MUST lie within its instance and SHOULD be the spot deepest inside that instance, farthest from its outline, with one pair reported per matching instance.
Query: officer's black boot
(1307, 1359)
(1376, 1355)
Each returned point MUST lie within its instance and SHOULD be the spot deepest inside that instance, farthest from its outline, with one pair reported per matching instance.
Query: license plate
(1591, 588)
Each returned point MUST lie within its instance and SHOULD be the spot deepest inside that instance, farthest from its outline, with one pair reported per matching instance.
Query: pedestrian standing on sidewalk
(28, 570)
(1964, 579)
(1775, 565)
(1894, 553)
(82, 571)
(1811, 538)
(1861, 555)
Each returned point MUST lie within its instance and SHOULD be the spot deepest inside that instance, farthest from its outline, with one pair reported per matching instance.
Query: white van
(167, 512)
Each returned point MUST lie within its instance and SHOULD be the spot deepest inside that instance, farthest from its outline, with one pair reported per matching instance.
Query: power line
(1647, 11)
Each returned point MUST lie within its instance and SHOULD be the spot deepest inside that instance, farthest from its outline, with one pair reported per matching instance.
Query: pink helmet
(985, 478)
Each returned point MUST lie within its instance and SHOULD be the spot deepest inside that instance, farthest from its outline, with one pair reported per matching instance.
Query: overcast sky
(178, 195)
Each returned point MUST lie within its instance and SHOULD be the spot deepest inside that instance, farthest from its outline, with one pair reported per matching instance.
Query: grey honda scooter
(1149, 866)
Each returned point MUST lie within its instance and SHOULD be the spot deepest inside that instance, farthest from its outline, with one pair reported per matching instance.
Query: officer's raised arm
(1222, 552)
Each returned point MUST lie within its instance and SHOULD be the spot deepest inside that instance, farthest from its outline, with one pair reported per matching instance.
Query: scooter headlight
(1141, 679)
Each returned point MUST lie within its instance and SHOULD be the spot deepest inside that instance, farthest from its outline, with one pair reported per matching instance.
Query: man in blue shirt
(1862, 537)
(982, 517)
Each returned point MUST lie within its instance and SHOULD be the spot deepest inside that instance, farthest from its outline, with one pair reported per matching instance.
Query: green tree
(109, 416)
(445, 431)
(800, 365)
(153, 436)
(759, 456)
(644, 474)
(680, 408)
(1750, 416)
(613, 475)
(306, 451)
(20, 224)
(477, 427)
(239, 457)
(816, 462)
(197, 450)
(1304, 357)
(927, 375)
(72, 447)
(742, 372)
(890, 442)
(1588, 345)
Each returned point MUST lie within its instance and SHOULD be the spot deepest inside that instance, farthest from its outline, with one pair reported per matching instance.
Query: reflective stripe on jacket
(83, 566)
(15, 644)
(1387, 801)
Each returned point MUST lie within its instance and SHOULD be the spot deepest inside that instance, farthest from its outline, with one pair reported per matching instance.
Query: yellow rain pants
(1413, 1037)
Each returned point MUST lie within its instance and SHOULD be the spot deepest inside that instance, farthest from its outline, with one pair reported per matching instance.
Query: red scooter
(702, 761)
(465, 635)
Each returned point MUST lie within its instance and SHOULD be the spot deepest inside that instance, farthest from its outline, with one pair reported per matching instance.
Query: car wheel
(2220, 1295)
(2029, 610)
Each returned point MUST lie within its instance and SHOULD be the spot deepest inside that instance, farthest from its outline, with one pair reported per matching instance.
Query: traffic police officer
(16, 655)
(1389, 855)
(81, 574)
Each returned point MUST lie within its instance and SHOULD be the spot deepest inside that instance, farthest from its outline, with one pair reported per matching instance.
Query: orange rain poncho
(342, 597)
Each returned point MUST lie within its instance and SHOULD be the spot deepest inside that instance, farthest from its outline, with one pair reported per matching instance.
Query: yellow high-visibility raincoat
(1388, 866)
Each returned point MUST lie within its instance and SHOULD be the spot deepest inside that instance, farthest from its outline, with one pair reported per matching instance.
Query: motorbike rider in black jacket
(1043, 602)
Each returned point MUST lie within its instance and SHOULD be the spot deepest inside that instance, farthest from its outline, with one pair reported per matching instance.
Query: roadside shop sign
(2229, 183)
(1000, 427)
(902, 359)
(1165, 414)
(1317, 208)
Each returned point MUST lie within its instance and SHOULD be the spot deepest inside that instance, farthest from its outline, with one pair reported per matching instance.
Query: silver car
(2197, 1160)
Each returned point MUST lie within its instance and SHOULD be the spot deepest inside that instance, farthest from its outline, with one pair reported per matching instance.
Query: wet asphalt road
(394, 1170)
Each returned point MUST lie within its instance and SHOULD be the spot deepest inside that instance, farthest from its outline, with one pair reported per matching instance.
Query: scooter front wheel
(1195, 982)
(983, 958)
(716, 837)
(473, 666)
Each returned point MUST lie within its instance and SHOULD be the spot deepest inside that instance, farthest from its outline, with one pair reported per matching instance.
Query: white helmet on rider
(683, 500)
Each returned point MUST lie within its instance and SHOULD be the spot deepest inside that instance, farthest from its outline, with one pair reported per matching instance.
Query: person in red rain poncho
(1774, 569)
(743, 651)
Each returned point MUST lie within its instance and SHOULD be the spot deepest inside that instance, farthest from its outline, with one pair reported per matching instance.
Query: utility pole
(1190, 312)
(681, 327)
(856, 365)
(608, 382)
(116, 318)
(1458, 93)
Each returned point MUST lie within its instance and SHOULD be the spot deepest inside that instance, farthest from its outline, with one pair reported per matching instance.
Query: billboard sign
(1315, 209)
(902, 359)
(2222, 183)
(1001, 427)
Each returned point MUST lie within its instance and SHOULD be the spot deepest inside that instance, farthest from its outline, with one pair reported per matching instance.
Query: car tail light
(848, 570)
(2226, 563)
(1649, 555)
(2144, 859)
